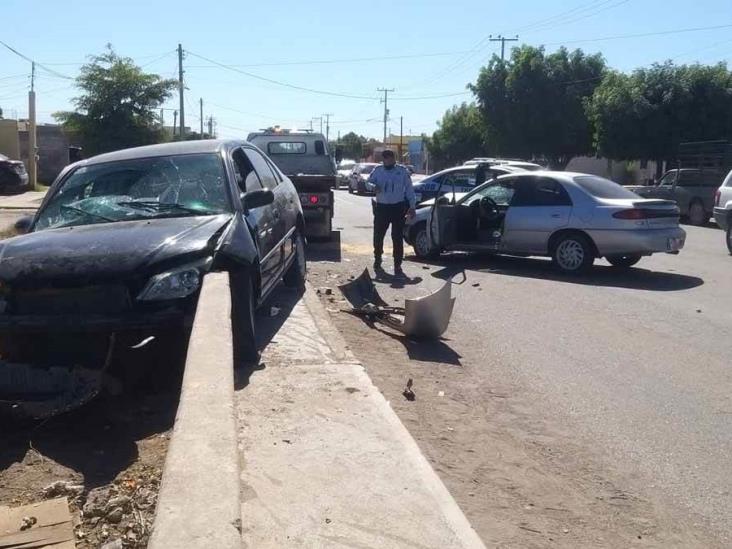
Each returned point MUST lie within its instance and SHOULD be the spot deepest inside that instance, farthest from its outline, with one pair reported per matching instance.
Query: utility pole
(175, 121)
(32, 149)
(327, 125)
(503, 41)
(181, 88)
(401, 138)
(200, 102)
(210, 127)
(386, 107)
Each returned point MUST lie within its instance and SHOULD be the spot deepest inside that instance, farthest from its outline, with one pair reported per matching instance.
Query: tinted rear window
(603, 188)
(286, 147)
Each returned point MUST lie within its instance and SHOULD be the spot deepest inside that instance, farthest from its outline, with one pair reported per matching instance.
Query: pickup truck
(304, 157)
(692, 189)
(700, 168)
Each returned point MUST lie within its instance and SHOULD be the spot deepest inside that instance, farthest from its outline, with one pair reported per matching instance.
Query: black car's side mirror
(257, 199)
(23, 224)
(443, 201)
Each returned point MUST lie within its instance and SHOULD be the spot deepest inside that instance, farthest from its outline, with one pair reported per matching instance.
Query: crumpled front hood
(106, 250)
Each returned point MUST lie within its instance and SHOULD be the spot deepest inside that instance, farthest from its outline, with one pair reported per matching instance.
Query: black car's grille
(88, 300)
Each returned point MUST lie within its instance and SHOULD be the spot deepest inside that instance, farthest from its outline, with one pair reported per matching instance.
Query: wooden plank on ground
(53, 527)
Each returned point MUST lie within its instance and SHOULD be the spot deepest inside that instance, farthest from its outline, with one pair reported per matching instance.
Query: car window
(286, 147)
(367, 169)
(266, 176)
(728, 180)
(275, 170)
(540, 191)
(246, 178)
(465, 178)
(501, 191)
(669, 179)
(319, 148)
(599, 187)
(142, 188)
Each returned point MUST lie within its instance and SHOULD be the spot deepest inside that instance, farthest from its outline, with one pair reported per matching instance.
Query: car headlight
(174, 284)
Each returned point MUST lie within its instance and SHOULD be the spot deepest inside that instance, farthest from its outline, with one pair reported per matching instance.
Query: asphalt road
(637, 365)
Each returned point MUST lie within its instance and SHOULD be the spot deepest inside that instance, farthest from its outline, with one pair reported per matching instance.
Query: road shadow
(269, 319)
(422, 350)
(325, 250)
(601, 275)
(395, 281)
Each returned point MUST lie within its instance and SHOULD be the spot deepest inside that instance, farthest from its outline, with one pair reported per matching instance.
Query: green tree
(117, 107)
(460, 136)
(533, 103)
(645, 115)
(352, 146)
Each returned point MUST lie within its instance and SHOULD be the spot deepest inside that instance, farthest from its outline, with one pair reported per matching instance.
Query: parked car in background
(573, 218)
(693, 191)
(345, 167)
(723, 209)
(13, 176)
(122, 242)
(460, 179)
(528, 166)
(359, 176)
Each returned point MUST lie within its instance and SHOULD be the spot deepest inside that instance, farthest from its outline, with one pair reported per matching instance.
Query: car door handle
(556, 216)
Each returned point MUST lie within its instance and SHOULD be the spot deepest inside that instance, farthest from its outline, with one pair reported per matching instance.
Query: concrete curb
(199, 503)
(431, 481)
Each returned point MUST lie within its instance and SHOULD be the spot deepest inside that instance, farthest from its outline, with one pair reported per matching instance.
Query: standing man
(394, 200)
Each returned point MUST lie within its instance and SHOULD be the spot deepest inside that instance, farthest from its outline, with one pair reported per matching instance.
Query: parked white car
(723, 209)
(571, 217)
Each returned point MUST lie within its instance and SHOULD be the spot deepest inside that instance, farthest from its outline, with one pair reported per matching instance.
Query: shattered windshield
(145, 188)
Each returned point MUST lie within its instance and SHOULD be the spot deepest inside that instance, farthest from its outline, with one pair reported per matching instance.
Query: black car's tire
(729, 237)
(697, 215)
(420, 243)
(573, 253)
(623, 261)
(297, 272)
(244, 303)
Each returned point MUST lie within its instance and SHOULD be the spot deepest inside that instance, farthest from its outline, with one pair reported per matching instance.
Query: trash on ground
(441, 393)
(423, 318)
(408, 393)
(44, 524)
(476, 284)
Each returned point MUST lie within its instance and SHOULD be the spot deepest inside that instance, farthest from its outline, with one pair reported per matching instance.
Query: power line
(279, 83)
(342, 60)
(640, 35)
(439, 96)
(50, 71)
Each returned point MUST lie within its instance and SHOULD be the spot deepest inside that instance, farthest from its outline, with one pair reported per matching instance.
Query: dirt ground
(521, 480)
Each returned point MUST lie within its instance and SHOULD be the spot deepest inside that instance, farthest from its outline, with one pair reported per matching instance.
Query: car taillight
(644, 213)
(313, 199)
(717, 197)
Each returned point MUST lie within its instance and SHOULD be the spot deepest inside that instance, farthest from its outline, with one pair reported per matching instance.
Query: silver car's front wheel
(573, 253)
(421, 243)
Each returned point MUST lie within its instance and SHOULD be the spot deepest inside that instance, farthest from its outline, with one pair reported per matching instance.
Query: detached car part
(422, 318)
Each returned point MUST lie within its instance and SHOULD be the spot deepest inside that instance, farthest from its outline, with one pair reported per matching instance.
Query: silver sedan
(572, 218)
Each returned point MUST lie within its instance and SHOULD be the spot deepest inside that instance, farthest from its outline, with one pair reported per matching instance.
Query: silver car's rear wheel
(573, 253)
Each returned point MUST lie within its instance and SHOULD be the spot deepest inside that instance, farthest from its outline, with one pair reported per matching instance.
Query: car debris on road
(422, 318)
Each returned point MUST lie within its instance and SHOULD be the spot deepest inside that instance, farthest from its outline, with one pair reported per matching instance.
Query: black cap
(387, 153)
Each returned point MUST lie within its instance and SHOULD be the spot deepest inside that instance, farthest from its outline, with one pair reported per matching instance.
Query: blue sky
(60, 34)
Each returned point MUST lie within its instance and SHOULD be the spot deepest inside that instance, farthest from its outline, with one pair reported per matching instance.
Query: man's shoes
(377, 265)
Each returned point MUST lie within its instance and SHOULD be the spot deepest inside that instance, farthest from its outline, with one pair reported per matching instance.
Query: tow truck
(305, 158)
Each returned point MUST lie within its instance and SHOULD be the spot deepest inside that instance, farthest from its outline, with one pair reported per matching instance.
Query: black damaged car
(122, 241)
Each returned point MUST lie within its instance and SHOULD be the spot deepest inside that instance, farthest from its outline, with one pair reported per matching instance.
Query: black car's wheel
(573, 253)
(244, 303)
(297, 272)
(421, 243)
(729, 237)
(623, 261)
(697, 215)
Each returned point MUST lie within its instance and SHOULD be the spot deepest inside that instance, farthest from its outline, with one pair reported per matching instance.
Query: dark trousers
(385, 215)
